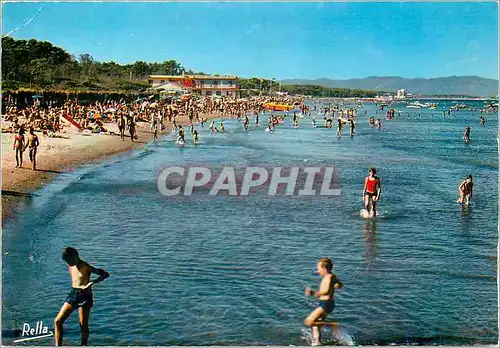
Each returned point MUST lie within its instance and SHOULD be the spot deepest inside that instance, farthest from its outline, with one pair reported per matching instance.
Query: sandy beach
(63, 153)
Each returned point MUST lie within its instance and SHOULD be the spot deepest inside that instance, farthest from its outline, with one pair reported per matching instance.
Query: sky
(274, 40)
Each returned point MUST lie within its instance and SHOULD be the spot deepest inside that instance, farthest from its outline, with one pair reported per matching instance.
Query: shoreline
(64, 154)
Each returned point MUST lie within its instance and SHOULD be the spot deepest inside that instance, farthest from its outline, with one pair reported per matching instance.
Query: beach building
(204, 85)
(402, 94)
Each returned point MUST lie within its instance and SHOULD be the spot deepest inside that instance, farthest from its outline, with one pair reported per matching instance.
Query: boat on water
(419, 105)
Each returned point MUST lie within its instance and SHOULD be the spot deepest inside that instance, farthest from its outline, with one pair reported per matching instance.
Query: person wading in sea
(465, 191)
(80, 295)
(371, 192)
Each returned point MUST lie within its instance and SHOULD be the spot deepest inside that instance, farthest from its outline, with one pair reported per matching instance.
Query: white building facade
(402, 94)
(204, 85)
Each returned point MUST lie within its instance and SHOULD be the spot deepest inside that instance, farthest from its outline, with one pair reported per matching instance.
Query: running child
(325, 295)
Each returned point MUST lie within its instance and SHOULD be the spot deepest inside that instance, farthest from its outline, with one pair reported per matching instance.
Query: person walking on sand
(465, 191)
(131, 127)
(33, 145)
(19, 147)
(371, 192)
(325, 295)
(80, 295)
(121, 126)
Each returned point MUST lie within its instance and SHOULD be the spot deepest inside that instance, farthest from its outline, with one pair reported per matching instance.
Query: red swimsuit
(370, 185)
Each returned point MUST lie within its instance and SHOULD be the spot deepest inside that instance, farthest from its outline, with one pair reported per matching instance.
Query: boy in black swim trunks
(325, 295)
(80, 295)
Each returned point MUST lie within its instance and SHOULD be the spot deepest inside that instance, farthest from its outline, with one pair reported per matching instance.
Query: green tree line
(39, 64)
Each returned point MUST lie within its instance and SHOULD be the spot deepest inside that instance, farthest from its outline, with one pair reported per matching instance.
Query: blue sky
(275, 40)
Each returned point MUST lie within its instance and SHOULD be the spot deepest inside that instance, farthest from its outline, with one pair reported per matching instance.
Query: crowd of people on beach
(50, 119)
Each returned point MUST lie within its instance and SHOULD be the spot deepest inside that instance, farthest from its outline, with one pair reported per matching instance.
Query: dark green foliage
(40, 65)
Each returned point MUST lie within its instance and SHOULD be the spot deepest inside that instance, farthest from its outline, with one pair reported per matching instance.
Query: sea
(232, 270)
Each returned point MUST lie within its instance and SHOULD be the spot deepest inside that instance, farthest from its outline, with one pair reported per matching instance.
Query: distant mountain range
(452, 85)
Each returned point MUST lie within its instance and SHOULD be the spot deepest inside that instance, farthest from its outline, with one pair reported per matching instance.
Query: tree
(87, 65)
(140, 69)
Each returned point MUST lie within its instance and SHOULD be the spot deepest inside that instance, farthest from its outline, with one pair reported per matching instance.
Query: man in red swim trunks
(371, 192)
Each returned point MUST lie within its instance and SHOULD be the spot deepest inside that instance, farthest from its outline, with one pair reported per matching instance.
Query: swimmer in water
(180, 135)
(222, 127)
(245, 122)
(195, 137)
(80, 296)
(339, 127)
(371, 192)
(212, 127)
(465, 191)
(467, 135)
(482, 120)
(379, 124)
(353, 125)
(314, 122)
(325, 296)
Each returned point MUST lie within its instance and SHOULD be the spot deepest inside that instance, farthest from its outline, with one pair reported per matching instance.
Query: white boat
(418, 105)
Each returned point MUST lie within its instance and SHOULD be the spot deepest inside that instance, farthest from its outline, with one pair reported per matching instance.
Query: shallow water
(232, 270)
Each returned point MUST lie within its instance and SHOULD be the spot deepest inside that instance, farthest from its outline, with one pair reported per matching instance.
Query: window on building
(208, 93)
(162, 81)
(218, 93)
(230, 83)
(216, 83)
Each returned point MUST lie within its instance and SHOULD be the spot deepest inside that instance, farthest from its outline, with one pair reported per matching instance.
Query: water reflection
(372, 249)
(465, 217)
